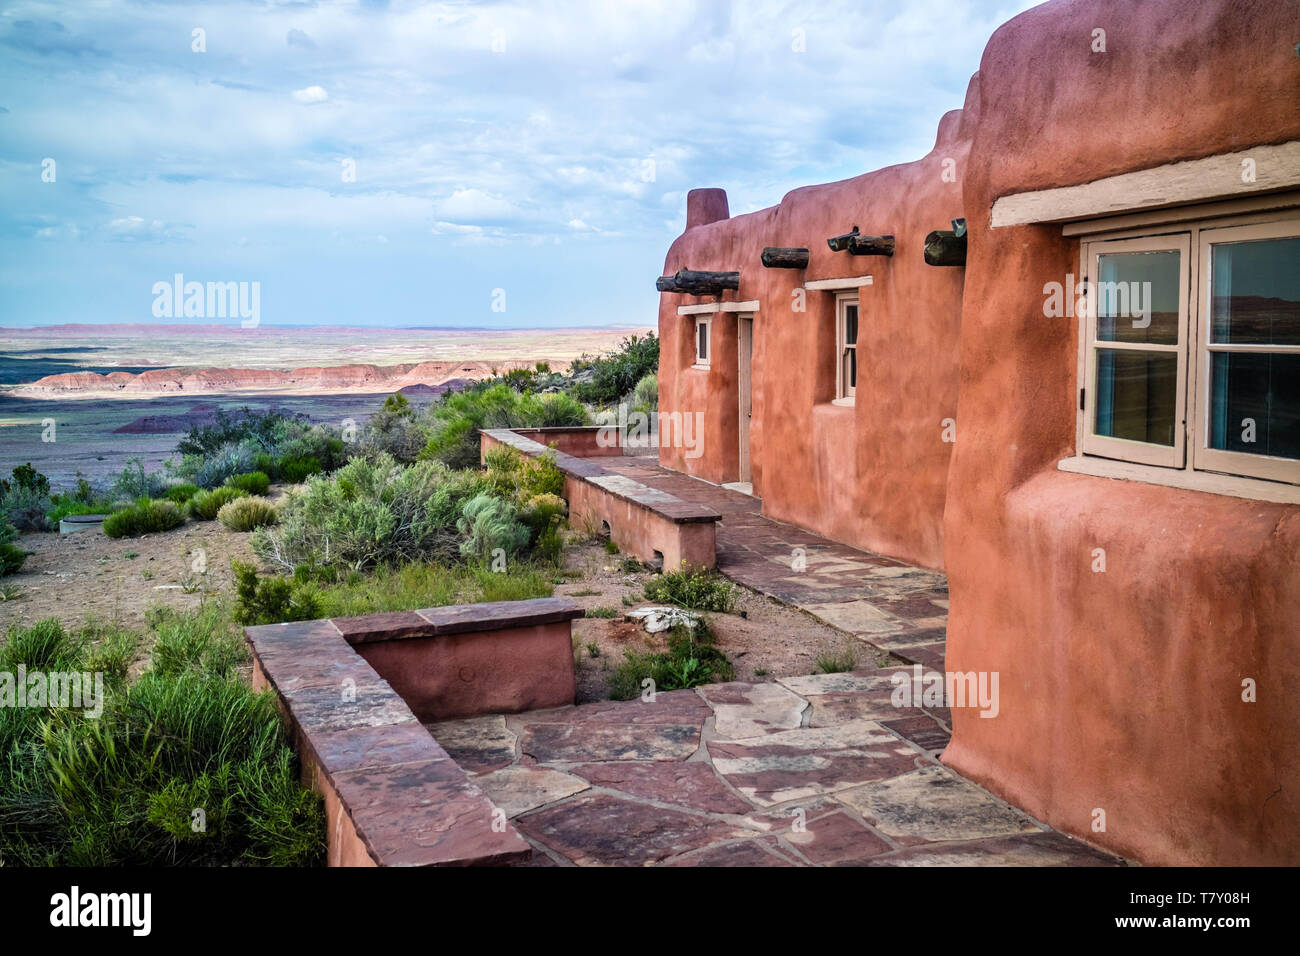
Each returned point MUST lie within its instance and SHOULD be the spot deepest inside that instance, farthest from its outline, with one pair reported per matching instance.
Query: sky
(494, 164)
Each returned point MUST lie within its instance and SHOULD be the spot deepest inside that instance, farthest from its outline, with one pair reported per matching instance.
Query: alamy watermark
(628, 428)
(1113, 299)
(212, 300)
(71, 690)
(946, 689)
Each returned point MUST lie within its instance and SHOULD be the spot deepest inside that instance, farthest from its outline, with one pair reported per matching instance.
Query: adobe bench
(354, 691)
(651, 525)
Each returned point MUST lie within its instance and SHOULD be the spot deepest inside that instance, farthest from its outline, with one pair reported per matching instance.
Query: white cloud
(311, 94)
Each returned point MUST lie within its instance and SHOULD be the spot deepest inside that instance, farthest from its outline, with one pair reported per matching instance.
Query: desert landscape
(119, 391)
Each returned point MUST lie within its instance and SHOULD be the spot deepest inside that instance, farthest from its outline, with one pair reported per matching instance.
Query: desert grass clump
(206, 505)
(180, 494)
(119, 787)
(145, 516)
(692, 659)
(254, 482)
(694, 588)
(247, 514)
(838, 660)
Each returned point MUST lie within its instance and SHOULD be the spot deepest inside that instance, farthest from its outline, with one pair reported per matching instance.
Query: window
(846, 348)
(702, 342)
(1191, 346)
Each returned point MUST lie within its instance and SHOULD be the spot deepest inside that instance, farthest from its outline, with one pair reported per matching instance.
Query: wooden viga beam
(695, 282)
(775, 257)
(856, 244)
(947, 247)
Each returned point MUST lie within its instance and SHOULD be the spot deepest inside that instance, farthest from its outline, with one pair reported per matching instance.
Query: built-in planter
(354, 693)
(81, 523)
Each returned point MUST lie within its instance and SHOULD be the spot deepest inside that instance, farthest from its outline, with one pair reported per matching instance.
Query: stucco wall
(1121, 691)
(873, 475)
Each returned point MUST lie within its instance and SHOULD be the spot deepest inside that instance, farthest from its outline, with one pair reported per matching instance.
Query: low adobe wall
(650, 525)
(392, 795)
(586, 441)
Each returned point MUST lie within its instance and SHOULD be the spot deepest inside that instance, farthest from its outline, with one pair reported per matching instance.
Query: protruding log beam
(775, 257)
(696, 282)
(841, 243)
(944, 247)
(871, 246)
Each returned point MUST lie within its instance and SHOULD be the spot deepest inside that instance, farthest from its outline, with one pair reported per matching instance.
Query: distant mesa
(340, 378)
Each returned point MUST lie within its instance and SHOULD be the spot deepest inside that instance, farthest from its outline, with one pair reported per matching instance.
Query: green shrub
(134, 482)
(490, 524)
(690, 661)
(453, 422)
(121, 789)
(11, 556)
(297, 470)
(370, 513)
(645, 396)
(247, 514)
(272, 600)
(82, 500)
(25, 499)
(225, 462)
(179, 494)
(695, 588)
(254, 482)
(206, 505)
(602, 612)
(605, 380)
(146, 516)
(394, 430)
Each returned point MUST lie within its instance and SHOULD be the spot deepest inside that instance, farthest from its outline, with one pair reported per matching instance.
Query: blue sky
(541, 148)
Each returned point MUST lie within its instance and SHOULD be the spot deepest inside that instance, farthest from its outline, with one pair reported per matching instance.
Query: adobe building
(1086, 411)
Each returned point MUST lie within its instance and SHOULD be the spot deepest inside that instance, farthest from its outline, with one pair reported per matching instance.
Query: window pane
(1255, 292)
(703, 349)
(853, 368)
(850, 325)
(1255, 403)
(1137, 297)
(1136, 395)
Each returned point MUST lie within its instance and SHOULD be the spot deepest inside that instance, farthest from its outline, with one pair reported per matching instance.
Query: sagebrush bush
(120, 789)
(695, 588)
(25, 508)
(247, 514)
(370, 513)
(234, 458)
(254, 482)
(645, 397)
(205, 505)
(395, 430)
(489, 524)
(145, 516)
(605, 380)
(133, 482)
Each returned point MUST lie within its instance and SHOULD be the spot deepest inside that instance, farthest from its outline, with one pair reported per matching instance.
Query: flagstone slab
(811, 685)
(934, 804)
(837, 839)
(1034, 849)
(760, 852)
(743, 710)
(478, 744)
(922, 730)
(519, 789)
(795, 764)
(857, 617)
(693, 785)
(665, 728)
(599, 829)
(832, 710)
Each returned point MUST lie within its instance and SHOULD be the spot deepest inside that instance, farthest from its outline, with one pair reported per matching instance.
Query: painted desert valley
(117, 391)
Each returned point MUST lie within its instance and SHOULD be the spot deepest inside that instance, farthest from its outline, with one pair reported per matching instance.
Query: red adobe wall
(873, 475)
(1121, 690)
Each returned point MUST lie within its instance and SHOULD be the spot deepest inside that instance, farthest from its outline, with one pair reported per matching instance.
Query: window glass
(702, 349)
(1137, 297)
(1255, 403)
(1136, 395)
(1255, 292)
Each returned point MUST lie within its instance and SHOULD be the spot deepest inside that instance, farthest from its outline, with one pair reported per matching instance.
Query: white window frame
(705, 323)
(1199, 467)
(1146, 453)
(845, 394)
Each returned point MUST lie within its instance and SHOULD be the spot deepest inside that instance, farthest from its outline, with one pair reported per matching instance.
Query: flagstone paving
(883, 602)
(819, 770)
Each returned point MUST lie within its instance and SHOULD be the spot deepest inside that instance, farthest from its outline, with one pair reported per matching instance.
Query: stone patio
(886, 603)
(807, 771)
